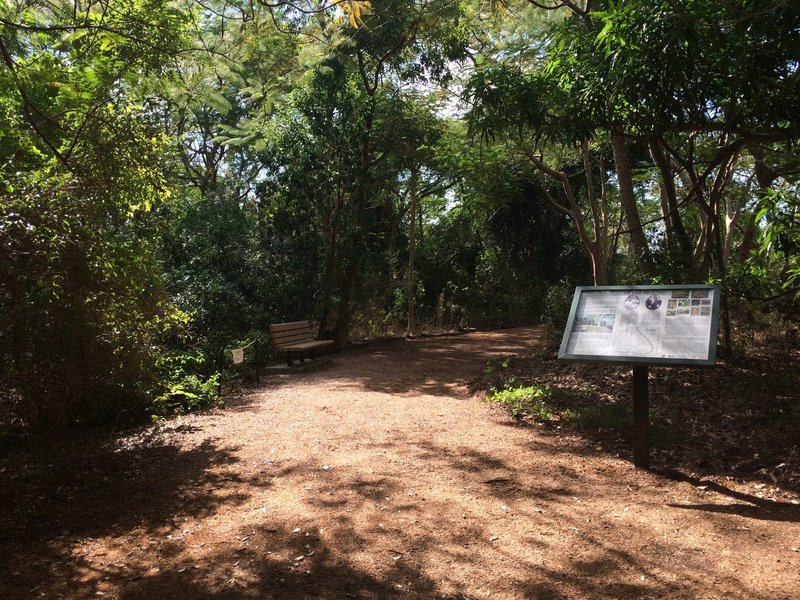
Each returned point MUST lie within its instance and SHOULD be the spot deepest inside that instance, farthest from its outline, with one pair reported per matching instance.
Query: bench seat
(308, 345)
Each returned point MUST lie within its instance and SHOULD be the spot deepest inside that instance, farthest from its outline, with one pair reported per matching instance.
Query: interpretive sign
(645, 325)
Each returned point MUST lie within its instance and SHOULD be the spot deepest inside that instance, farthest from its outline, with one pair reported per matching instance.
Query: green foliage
(652, 67)
(528, 403)
(655, 72)
(557, 304)
(497, 375)
(507, 98)
(186, 394)
(554, 405)
(81, 288)
(490, 259)
(776, 262)
(82, 171)
(215, 259)
(182, 382)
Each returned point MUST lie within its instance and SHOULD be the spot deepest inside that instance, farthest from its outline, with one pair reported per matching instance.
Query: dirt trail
(379, 475)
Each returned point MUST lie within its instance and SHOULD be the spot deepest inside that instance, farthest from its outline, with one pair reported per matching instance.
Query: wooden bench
(296, 337)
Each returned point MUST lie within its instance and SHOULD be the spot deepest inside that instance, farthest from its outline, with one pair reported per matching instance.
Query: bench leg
(288, 358)
(302, 359)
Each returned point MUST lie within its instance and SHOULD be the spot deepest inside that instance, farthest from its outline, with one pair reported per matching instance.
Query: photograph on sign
(650, 325)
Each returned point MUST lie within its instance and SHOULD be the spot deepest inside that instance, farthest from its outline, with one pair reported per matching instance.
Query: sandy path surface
(379, 475)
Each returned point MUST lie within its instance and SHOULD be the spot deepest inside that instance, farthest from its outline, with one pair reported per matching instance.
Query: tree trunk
(351, 272)
(342, 331)
(627, 197)
(765, 177)
(325, 329)
(599, 270)
(356, 246)
(593, 246)
(668, 230)
(672, 216)
(412, 250)
(395, 270)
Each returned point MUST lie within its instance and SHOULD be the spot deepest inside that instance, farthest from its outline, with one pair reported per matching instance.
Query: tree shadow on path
(59, 498)
(441, 366)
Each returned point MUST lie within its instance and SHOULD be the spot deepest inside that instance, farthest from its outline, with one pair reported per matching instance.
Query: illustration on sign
(655, 324)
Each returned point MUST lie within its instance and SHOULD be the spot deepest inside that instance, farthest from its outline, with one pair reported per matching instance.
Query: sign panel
(237, 355)
(643, 325)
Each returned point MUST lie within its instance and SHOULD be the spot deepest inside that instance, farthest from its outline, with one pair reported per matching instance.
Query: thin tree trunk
(627, 197)
(668, 230)
(325, 329)
(733, 214)
(594, 248)
(673, 219)
(343, 315)
(765, 177)
(412, 250)
(351, 272)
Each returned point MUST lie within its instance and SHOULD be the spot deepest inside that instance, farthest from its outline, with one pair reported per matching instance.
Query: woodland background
(177, 174)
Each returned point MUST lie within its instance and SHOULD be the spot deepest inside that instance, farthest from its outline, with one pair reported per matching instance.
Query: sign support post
(641, 417)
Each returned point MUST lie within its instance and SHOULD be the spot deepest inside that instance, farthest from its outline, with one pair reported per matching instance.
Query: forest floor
(383, 474)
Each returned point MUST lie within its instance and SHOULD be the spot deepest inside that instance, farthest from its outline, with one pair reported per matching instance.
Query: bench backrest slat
(290, 326)
(284, 334)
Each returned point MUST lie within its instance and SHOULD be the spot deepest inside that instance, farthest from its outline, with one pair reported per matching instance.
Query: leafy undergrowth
(739, 420)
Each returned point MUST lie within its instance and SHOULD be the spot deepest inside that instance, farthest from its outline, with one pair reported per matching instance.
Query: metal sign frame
(653, 291)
